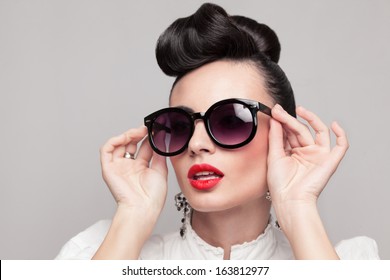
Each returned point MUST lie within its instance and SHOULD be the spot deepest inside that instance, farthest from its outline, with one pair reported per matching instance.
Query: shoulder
(85, 244)
(162, 247)
(358, 248)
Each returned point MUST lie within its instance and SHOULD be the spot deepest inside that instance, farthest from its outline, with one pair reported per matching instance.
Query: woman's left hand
(300, 164)
(299, 167)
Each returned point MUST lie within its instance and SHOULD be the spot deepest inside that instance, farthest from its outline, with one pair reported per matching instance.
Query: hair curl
(210, 34)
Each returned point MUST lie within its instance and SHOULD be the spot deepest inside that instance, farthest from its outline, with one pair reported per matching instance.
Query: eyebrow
(185, 108)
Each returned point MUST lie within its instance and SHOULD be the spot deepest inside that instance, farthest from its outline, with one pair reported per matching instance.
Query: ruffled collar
(263, 247)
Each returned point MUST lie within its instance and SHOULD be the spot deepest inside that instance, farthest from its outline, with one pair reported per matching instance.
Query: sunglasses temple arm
(265, 109)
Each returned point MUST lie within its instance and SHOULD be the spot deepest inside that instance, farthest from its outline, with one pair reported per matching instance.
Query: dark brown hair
(210, 34)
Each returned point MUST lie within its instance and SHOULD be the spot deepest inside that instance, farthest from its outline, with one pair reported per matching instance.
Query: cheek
(245, 168)
(179, 168)
(259, 145)
(254, 159)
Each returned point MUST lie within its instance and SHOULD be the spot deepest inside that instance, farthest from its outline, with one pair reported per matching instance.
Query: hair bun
(211, 34)
(265, 38)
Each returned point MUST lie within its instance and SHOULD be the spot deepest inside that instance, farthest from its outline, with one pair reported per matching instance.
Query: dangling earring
(182, 204)
(268, 196)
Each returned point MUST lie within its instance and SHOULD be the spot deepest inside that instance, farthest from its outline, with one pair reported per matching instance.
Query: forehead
(219, 80)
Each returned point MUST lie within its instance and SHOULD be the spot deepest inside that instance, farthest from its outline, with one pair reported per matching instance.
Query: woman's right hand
(136, 184)
(139, 187)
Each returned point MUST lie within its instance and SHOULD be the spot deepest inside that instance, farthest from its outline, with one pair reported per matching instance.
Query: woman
(236, 147)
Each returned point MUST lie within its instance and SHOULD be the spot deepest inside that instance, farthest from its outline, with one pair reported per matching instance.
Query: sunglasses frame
(253, 106)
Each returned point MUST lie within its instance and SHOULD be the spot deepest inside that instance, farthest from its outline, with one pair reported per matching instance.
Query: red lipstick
(204, 176)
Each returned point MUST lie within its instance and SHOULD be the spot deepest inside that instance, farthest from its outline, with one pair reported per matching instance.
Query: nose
(200, 141)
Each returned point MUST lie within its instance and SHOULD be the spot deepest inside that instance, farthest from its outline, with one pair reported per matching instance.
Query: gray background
(75, 73)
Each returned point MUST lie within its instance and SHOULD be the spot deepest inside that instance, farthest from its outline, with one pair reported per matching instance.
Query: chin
(222, 197)
(209, 202)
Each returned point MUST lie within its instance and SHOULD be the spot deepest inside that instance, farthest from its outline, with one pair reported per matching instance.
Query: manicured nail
(279, 108)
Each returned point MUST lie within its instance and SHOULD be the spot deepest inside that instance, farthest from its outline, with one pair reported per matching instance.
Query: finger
(145, 151)
(106, 151)
(291, 138)
(322, 131)
(159, 163)
(342, 145)
(130, 141)
(115, 146)
(287, 146)
(301, 131)
(276, 141)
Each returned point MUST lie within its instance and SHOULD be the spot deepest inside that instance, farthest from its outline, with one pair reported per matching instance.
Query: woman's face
(244, 169)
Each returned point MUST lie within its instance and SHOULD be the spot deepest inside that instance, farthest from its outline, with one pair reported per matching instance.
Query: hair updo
(210, 34)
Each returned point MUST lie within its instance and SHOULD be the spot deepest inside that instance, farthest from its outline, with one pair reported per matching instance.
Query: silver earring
(268, 196)
(182, 204)
(274, 222)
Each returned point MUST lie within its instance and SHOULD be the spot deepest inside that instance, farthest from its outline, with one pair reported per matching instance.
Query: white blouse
(270, 245)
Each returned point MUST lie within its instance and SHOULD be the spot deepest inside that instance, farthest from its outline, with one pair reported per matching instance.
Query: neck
(237, 225)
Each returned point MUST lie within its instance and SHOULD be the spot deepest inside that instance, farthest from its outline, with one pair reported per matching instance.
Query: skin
(283, 157)
(235, 210)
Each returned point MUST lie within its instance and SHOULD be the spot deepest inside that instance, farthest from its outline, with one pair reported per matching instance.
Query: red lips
(204, 176)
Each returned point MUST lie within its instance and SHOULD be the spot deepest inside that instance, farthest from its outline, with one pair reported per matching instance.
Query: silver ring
(129, 155)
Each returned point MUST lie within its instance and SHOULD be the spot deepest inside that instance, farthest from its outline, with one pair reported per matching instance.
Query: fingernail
(279, 108)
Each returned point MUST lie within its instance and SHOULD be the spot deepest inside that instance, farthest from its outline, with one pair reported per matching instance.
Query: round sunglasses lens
(231, 124)
(171, 131)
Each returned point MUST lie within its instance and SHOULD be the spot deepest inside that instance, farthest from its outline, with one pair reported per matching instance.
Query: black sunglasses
(230, 123)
